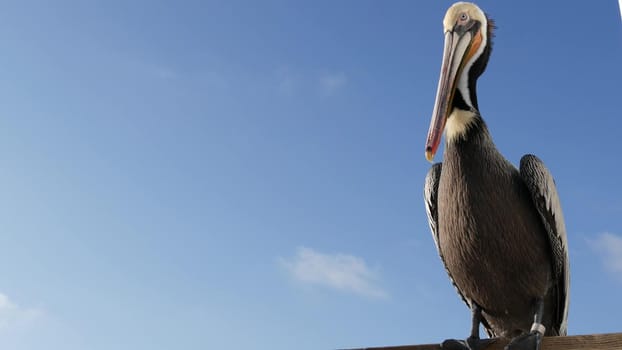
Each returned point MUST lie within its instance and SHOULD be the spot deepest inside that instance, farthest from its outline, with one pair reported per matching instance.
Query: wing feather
(542, 187)
(430, 195)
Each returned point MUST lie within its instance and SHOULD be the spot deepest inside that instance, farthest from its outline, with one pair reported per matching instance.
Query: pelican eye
(463, 17)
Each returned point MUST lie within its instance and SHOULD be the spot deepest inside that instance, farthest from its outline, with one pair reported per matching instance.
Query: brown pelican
(499, 230)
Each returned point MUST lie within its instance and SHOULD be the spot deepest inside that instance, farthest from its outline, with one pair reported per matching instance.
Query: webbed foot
(529, 341)
(470, 344)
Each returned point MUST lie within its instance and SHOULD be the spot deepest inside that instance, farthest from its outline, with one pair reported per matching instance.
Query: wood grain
(606, 341)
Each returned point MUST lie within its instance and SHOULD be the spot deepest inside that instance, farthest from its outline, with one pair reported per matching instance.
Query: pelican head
(465, 55)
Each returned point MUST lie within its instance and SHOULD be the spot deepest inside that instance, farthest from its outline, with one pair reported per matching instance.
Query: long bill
(456, 46)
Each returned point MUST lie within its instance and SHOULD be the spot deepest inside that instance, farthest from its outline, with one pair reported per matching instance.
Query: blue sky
(203, 175)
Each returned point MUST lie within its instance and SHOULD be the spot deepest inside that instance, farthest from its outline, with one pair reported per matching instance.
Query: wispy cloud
(292, 82)
(14, 316)
(330, 83)
(25, 327)
(610, 247)
(338, 271)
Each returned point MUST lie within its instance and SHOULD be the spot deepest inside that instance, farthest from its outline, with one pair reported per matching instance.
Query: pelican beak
(459, 48)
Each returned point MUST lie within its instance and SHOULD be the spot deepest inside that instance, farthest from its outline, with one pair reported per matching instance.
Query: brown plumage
(499, 230)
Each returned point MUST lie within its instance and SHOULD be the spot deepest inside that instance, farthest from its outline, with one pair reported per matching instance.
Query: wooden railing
(608, 341)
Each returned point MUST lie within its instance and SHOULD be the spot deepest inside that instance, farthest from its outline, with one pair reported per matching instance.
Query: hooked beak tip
(429, 155)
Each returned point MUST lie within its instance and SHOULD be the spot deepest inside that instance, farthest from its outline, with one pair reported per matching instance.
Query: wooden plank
(606, 341)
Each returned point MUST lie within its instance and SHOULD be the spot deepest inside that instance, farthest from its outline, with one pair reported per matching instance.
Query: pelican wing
(543, 191)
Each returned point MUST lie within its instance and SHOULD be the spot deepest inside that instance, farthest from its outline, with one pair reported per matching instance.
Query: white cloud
(330, 83)
(23, 327)
(339, 271)
(610, 247)
(290, 82)
(14, 316)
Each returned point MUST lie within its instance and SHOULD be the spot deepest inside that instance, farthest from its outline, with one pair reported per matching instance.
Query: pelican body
(499, 230)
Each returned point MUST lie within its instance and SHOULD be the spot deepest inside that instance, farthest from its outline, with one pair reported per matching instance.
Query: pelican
(499, 230)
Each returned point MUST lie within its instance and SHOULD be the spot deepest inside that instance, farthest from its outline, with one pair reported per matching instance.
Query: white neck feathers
(458, 123)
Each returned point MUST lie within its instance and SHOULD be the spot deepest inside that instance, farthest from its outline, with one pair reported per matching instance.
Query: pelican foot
(529, 341)
(469, 344)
